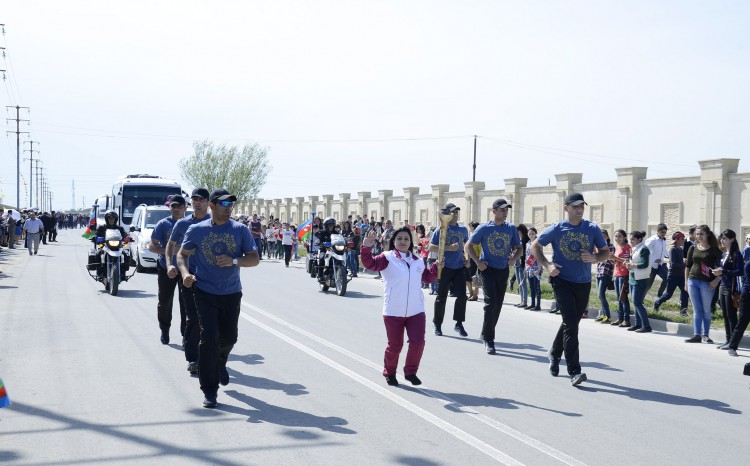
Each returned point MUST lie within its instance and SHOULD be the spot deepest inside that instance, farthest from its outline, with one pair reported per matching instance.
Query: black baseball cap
(200, 192)
(177, 199)
(575, 199)
(501, 204)
(450, 208)
(221, 194)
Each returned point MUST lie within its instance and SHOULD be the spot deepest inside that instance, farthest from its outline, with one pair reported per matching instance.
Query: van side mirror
(132, 229)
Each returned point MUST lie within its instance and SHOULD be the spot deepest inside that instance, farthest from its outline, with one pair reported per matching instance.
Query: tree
(242, 171)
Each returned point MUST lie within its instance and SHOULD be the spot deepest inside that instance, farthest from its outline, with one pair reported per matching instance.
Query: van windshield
(153, 217)
(133, 196)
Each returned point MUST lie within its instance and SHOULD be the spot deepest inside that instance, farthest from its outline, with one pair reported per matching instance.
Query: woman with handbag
(703, 256)
(621, 258)
(729, 271)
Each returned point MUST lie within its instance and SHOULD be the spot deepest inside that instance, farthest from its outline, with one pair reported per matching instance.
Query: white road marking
(465, 437)
(495, 424)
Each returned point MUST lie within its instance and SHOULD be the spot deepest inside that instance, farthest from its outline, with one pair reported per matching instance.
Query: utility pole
(73, 206)
(38, 174)
(18, 132)
(474, 173)
(44, 192)
(31, 162)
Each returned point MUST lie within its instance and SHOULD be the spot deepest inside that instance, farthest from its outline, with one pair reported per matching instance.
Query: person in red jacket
(403, 307)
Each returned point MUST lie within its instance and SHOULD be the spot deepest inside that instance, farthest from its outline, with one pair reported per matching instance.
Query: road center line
(465, 437)
(495, 424)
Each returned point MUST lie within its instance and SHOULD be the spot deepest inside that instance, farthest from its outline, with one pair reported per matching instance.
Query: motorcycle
(333, 272)
(109, 259)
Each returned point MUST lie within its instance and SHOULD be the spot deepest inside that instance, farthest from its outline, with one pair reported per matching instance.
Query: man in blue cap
(219, 247)
(573, 243)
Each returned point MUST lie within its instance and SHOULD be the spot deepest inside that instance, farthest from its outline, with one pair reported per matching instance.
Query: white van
(130, 191)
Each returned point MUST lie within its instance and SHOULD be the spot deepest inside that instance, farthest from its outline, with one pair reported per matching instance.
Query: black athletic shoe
(192, 367)
(391, 380)
(209, 401)
(438, 332)
(459, 328)
(413, 379)
(489, 347)
(164, 338)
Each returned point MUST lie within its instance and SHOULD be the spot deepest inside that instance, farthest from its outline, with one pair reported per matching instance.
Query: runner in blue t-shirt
(218, 246)
(452, 275)
(159, 239)
(500, 245)
(573, 244)
(191, 335)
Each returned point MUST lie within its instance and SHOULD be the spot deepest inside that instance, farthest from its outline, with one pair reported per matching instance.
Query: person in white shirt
(657, 246)
(287, 241)
(34, 229)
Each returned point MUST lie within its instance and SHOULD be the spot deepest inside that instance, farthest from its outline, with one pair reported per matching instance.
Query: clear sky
(357, 95)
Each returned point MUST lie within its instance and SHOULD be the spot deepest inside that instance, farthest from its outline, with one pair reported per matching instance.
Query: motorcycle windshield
(112, 235)
(338, 240)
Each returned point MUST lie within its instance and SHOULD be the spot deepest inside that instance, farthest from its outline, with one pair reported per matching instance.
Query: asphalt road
(92, 384)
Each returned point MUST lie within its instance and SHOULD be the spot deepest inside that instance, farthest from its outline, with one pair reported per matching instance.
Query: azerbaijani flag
(304, 230)
(92, 222)
(4, 400)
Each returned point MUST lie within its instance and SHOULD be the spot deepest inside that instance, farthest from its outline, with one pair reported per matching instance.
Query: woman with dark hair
(403, 304)
(604, 272)
(730, 272)
(703, 256)
(640, 271)
(621, 273)
(520, 265)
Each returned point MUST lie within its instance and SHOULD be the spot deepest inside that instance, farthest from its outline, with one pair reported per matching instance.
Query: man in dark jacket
(47, 222)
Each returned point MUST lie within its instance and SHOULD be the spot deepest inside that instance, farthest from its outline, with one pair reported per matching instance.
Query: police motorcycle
(331, 270)
(110, 258)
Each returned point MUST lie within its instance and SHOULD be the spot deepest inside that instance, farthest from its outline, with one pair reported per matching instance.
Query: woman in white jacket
(403, 305)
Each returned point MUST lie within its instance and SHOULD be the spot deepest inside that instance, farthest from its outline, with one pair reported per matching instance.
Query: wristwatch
(235, 261)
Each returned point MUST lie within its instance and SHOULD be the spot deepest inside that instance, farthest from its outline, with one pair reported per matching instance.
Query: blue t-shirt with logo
(456, 234)
(568, 242)
(178, 234)
(208, 241)
(497, 242)
(162, 232)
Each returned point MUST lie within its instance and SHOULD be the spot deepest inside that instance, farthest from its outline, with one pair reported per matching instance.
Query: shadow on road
(659, 397)
(161, 449)
(134, 294)
(413, 461)
(249, 359)
(291, 389)
(265, 412)
(359, 294)
(456, 401)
